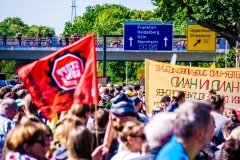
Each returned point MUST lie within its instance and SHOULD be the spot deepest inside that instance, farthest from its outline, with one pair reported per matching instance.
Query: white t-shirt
(125, 155)
(90, 123)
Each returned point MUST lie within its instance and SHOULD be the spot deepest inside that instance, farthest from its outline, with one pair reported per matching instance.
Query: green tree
(12, 26)
(34, 30)
(218, 15)
(10, 66)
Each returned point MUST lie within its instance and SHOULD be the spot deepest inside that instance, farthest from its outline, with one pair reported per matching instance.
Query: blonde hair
(62, 131)
(226, 110)
(79, 110)
(131, 128)
(235, 134)
(80, 143)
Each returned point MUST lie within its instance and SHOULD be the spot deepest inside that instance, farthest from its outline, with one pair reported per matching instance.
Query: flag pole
(96, 125)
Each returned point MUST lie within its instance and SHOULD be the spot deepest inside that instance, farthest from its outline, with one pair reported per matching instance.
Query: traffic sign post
(200, 38)
(148, 36)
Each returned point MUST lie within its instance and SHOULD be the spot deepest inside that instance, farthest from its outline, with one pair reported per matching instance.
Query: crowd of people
(49, 40)
(120, 128)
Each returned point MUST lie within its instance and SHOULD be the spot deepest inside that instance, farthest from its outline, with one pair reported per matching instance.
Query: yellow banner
(163, 79)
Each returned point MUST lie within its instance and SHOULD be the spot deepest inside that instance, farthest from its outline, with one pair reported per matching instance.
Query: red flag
(65, 77)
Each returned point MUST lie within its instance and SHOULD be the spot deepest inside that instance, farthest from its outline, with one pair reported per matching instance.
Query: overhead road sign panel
(141, 35)
(200, 38)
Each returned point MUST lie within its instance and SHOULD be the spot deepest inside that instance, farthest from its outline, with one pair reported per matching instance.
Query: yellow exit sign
(200, 38)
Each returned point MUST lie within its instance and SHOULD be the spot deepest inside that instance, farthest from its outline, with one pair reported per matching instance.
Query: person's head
(217, 102)
(9, 107)
(231, 150)
(179, 97)
(132, 135)
(80, 143)
(3, 91)
(122, 109)
(156, 110)
(209, 93)
(160, 129)
(82, 111)
(16, 79)
(235, 134)
(62, 129)
(33, 120)
(227, 129)
(29, 138)
(92, 110)
(194, 122)
(231, 114)
(30, 107)
(11, 95)
(165, 101)
(102, 118)
(22, 93)
(137, 103)
(17, 118)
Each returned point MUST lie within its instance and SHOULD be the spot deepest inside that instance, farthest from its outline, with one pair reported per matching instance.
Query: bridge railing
(116, 43)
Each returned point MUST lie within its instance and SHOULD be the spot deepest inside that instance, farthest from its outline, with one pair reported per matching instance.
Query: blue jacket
(172, 107)
(173, 150)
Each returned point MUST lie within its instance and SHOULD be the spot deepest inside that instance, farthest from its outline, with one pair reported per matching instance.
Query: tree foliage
(220, 16)
(12, 26)
(105, 19)
(34, 30)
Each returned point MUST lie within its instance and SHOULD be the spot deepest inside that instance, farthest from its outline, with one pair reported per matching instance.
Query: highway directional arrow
(165, 39)
(130, 39)
(198, 41)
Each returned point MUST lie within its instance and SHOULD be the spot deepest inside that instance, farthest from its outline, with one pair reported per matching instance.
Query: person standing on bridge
(67, 39)
(4, 38)
(19, 38)
(39, 36)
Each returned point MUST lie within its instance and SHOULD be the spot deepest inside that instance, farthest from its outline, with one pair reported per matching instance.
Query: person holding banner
(177, 99)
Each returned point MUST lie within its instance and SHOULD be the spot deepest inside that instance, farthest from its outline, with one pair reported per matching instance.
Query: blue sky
(54, 13)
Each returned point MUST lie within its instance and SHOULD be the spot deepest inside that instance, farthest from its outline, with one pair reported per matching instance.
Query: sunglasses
(142, 136)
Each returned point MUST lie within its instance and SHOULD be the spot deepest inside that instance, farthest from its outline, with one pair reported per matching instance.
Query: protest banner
(163, 79)
(67, 76)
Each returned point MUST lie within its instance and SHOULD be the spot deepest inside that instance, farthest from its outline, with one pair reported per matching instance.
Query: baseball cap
(129, 93)
(19, 102)
(165, 98)
(122, 105)
(136, 99)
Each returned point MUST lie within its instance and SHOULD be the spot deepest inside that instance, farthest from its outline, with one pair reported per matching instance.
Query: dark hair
(178, 95)
(130, 88)
(211, 91)
(112, 91)
(92, 108)
(12, 95)
(3, 91)
(80, 143)
(22, 93)
(232, 148)
(228, 127)
(216, 101)
(102, 117)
